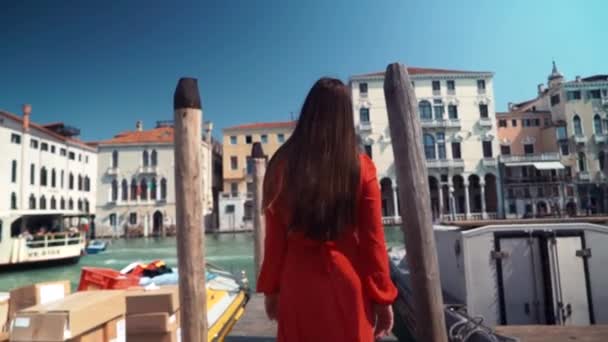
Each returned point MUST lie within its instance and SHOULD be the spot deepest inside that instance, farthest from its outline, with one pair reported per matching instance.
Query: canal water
(233, 252)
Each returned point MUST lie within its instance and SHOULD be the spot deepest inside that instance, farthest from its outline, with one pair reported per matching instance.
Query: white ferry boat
(31, 237)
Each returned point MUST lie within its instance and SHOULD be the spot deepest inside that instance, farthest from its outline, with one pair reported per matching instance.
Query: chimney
(541, 88)
(27, 110)
(139, 126)
(510, 106)
(578, 78)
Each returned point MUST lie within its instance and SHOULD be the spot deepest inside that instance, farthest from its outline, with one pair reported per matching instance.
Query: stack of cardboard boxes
(152, 315)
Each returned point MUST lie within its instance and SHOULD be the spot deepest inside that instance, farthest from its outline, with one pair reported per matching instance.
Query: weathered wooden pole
(259, 230)
(189, 210)
(412, 178)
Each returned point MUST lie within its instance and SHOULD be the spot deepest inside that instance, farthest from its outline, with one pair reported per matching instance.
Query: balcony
(442, 123)
(583, 176)
(579, 139)
(600, 138)
(485, 122)
(112, 171)
(445, 164)
(531, 158)
(147, 169)
(363, 94)
(365, 126)
(489, 162)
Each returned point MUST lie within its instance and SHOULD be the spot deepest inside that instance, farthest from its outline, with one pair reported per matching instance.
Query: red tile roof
(264, 125)
(426, 71)
(157, 135)
(45, 130)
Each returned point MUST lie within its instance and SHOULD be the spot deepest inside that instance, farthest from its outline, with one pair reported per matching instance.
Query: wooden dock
(555, 333)
(255, 327)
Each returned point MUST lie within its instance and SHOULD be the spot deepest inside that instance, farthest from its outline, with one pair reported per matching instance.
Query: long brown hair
(312, 180)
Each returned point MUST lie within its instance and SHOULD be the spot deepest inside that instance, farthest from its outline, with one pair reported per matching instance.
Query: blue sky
(101, 67)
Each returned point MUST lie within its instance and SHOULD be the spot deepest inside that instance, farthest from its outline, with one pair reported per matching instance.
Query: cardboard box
(4, 337)
(4, 312)
(68, 318)
(113, 331)
(40, 293)
(173, 336)
(152, 323)
(165, 299)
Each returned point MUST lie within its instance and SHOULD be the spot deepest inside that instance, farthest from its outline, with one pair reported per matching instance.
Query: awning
(549, 165)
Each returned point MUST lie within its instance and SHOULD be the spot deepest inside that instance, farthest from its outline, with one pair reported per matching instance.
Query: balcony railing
(363, 94)
(579, 139)
(537, 179)
(112, 171)
(441, 123)
(583, 176)
(548, 156)
(489, 162)
(485, 122)
(600, 138)
(365, 126)
(445, 163)
(147, 169)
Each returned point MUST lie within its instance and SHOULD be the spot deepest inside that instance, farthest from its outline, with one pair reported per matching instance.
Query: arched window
(32, 174)
(43, 176)
(114, 191)
(114, 159)
(153, 189)
(87, 184)
(440, 145)
(71, 181)
(597, 124)
(125, 190)
(601, 159)
(86, 206)
(62, 203)
(145, 158)
(143, 189)
(32, 202)
(62, 178)
(582, 162)
(70, 204)
(13, 201)
(79, 182)
(53, 178)
(133, 189)
(42, 202)
(163, 189)
(14, 171)
(154, 157)
(79, 205)
(425, 109)
(578, 128)
(429, 146)
(53, 203)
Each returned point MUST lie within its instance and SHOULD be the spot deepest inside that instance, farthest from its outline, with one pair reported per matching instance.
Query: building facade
(579, 112)
(457, 115)
(236, 207)
(45, 167)
(136, 184)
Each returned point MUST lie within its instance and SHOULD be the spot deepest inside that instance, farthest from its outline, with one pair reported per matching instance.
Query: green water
(233, 252)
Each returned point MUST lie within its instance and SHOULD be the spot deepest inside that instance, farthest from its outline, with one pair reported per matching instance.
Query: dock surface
(555, 333)
(254, 326)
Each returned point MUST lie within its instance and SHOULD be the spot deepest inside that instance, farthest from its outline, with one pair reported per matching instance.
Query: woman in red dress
(325, 272)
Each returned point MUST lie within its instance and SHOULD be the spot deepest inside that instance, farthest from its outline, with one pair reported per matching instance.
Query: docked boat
(28, 237)
(96, 246)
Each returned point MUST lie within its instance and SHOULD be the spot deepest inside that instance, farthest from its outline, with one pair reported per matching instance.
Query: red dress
(326, 289)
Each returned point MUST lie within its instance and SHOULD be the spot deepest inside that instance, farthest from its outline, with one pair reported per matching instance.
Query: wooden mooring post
(412, 179)
(259, 230)
(189, 211)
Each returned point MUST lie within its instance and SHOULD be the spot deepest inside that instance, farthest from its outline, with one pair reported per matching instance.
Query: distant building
(236, 207)
(136, 184)
(456, 109)
(579, 113)
(45, 168)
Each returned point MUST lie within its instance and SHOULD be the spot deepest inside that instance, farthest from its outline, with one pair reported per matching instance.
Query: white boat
(30, 237)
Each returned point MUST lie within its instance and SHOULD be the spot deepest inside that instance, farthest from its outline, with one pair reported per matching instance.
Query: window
(439, 109)
(502, 123)
(87, 184)
(163, 189)
(13, 201)
(547, 122)
(133, 218)
(234, 163)
(505, 150)
(440, 145)
(456, 150)
(32, 174)
(229, 209)
(248, 139)
(578, 128)
(536, 122)
(34, 143)
(582, 162)
(62, 204)
(281, 138)
(594, 94)
(487, 149)
(483, 111)
(529, 148)
(32, 202)
(429, 146)
(80, 183)
(43, 176)
(124, 190)
(561, 133)
(554, 99)
(249, 165)
(234, 188)
(143, 189)
(597, 124)
(368, 150)
(114, 159)
(79, 157)
(63, 152)
(264, 138)
(153, 189)
(573, 95)
(451, 87)
(62, 177)
(512, 208)
(113, 222)
(145, 158)
(53, 178)
(453, 112)
(364, 115)
(481, 86)
(250, 187)
(72, 156)
(527, 193)
(71, 181)
(363, 88)
(42, 202)
(15, 138)
(601, 160)
(425, 111)
(44, 146)
(53, 149)
(514, 122)
(14, 171)
(133, 189)
(564, 148)
(233, 140)
(114, 191)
